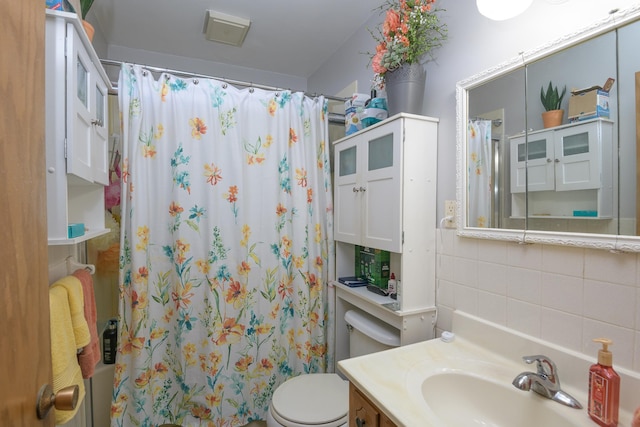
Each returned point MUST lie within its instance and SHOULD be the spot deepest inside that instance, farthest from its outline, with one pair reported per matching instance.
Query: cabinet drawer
(362, 413)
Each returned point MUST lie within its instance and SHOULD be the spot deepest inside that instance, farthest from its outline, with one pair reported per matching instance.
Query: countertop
(393, 379)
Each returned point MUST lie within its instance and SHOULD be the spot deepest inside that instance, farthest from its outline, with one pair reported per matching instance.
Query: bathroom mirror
(570, 184)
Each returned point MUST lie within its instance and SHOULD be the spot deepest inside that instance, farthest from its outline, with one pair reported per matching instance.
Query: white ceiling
(292, 37)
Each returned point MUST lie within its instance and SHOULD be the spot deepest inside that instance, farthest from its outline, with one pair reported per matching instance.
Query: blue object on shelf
(75, 230)
(585, 213)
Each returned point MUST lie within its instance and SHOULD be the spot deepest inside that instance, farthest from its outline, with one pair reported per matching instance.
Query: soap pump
(604, 388)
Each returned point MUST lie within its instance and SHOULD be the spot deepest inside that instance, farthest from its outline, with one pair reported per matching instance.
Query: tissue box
(75, 230)
(63, 5)
(353, 108)
(374, 264)
(589, 103)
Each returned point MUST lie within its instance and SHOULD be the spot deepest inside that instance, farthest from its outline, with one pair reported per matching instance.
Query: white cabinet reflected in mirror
(573, 183)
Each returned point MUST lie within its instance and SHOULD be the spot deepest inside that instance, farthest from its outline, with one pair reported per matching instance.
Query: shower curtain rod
(188, 74)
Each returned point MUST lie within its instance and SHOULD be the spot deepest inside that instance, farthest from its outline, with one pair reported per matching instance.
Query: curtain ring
(224, 86)
(195, 81)
(251, 89)
(277, 94)
(144, 73)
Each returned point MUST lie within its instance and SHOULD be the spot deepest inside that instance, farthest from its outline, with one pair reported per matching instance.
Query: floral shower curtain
(479, 161)
(227, 228)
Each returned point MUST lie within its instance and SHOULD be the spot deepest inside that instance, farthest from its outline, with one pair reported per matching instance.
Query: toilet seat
(311, 400)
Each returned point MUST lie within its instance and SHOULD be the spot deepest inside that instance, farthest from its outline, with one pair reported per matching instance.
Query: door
(100, 136)
(24, 316)
(382, 198)
(532, 163)
(80, 106)
(578, 157)
(348, 192)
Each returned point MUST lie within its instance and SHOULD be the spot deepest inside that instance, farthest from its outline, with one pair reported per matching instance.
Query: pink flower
(376, 62)
(391, 23)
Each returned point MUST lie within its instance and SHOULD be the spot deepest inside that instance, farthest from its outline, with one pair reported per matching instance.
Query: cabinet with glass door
(76, 95)
(564, 172)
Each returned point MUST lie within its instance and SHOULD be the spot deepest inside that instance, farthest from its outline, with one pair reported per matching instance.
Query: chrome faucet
(544, 382)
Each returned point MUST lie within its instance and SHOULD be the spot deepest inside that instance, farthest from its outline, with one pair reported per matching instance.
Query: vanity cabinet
(380, 172)
(566, 171)
(363, 413)
(76, 97)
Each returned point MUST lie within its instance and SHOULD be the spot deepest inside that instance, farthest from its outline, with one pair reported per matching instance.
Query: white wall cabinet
(368, 190)
(564, 172)
(385, 198)
(379, 173)
(77, 137)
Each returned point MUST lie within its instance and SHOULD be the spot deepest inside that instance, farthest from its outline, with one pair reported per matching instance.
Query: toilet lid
(312, 399)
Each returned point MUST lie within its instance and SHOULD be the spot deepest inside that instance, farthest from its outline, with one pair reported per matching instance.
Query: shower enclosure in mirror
(571, 184)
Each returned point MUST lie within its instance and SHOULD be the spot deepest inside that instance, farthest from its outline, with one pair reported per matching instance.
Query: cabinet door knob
(363, 189)
(359, 422)
(548, 160)
(355, 190)
(96, 122)
(557, 160)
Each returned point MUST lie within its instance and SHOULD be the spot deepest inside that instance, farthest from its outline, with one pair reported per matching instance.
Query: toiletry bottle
(604, 388)
(110, 343)
(391, 284)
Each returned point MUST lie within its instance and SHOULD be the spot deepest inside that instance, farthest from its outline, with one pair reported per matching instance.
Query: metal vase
(405, 88)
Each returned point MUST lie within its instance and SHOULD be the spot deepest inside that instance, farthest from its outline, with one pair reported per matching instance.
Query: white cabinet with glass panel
(564, 172)
(382, 174)
(76, 96)
(385, 198)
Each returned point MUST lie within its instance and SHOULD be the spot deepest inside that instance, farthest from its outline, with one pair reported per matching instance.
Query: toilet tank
(368, 334)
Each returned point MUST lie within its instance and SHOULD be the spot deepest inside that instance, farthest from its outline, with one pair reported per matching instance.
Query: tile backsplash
(563, 295)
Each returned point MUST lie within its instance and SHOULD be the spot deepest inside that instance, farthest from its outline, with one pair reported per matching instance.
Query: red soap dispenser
(604, 388)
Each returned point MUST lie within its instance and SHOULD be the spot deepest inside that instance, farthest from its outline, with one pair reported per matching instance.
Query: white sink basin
(465, 400)
(467, 382)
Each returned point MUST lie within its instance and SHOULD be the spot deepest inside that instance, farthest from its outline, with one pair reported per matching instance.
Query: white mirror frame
(595, 241)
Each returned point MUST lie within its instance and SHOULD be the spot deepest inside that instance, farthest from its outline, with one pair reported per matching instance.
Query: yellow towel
(66, 329)
(73, 286)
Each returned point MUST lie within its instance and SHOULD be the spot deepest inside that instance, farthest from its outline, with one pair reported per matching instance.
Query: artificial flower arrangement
(410, 31)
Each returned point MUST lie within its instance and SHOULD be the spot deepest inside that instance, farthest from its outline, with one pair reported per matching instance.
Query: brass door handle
(66, 399)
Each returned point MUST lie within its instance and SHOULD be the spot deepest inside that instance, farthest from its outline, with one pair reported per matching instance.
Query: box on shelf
(589, 103)
(75, 230)
(353, 108)
(63, 5)
(374, 265)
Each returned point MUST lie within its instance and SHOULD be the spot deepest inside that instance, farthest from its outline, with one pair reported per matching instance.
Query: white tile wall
(564, 295)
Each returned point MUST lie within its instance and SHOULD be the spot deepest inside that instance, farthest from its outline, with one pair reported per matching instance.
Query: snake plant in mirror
(552, 102)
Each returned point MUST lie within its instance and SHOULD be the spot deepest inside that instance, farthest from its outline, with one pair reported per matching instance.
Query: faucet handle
(542, 360)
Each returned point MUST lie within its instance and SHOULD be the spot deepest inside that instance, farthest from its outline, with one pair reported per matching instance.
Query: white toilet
(322, 400)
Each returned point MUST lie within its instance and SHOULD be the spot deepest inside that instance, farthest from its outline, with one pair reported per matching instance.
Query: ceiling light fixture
(223, 28)
(499, 10)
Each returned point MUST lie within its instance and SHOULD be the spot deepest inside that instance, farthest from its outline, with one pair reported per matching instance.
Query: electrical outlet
(450, 214)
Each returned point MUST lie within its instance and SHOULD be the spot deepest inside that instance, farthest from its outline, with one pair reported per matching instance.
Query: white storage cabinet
(77, 137)
(385, 198)
(565, 169)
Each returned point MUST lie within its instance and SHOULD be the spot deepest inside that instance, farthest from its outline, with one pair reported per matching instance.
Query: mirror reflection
(574, 176)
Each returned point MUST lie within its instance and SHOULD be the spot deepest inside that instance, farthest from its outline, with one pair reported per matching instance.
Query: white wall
(198, 66)
(564, 295)
(475, 43)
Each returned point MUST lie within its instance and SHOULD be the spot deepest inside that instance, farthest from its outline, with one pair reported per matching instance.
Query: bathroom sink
(460, 399)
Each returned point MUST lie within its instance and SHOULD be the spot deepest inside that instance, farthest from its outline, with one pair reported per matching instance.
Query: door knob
(66, 399)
